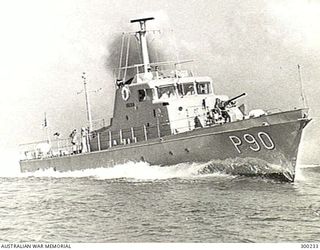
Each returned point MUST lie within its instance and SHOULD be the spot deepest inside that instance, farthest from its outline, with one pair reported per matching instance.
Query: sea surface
(136, 202)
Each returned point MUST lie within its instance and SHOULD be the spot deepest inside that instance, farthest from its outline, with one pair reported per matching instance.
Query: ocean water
(136, 202)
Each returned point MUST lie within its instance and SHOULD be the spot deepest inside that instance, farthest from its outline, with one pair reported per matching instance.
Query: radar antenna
(143, 40)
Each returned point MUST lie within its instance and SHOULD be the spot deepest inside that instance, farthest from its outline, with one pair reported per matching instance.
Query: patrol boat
(165, 115)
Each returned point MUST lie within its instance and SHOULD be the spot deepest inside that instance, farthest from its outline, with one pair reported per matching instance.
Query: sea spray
(130, 170)
(141, 170)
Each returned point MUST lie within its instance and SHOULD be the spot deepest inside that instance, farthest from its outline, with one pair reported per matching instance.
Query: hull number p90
(255, 143)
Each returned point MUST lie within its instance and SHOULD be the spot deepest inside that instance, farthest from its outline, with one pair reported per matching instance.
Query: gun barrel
(236, 97)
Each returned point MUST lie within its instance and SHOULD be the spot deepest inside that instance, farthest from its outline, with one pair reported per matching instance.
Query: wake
(132, 170)
(144, 171)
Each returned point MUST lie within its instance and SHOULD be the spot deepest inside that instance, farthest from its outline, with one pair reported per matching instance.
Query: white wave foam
(130, 170)
(299, 172)
(137, 171)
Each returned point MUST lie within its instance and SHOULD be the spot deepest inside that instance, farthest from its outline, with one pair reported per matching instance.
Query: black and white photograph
(157, 121)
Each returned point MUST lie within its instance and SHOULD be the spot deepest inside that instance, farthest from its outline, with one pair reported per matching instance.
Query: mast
(87, 101)
(143, 41)
(45, 126)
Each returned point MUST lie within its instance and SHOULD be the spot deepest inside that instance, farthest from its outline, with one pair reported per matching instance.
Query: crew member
(215, 115)
(217, 106)
(148, 76)
(74, 141)
(197, 123)
(119, 83)
(224, 113)
(221, 107)
(158, 73)
(209, 119)
(84, 140)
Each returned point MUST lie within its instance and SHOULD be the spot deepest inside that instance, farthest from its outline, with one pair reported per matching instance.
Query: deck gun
(226, 103)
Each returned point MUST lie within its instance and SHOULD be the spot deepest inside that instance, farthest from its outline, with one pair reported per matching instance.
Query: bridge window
(188, 88)
(149, 94)
(166, 91)
(145, 94)
(180, 90)
(203, 88)
(142, 95)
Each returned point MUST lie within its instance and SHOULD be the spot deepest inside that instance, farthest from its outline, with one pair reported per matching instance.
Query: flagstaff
(89, 117)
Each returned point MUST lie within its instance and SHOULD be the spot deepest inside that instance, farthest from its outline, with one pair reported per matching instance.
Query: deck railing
(106, 139)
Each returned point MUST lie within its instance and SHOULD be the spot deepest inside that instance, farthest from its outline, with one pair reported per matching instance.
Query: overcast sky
(245, 46)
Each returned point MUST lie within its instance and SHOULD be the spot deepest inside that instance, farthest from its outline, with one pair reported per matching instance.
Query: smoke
(130, 44)
(162, 45)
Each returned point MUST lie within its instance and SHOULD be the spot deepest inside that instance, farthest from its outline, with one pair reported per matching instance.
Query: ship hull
(263, 146)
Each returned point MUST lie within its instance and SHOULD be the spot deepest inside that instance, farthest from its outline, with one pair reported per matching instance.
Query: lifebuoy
(125, 93)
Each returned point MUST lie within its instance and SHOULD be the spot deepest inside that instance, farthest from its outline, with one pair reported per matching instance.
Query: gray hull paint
(260, 146)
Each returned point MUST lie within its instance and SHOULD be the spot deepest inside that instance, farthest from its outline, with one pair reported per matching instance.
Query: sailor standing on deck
(197, 123)
(74, 141)
(148, 76)
(84, 141)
